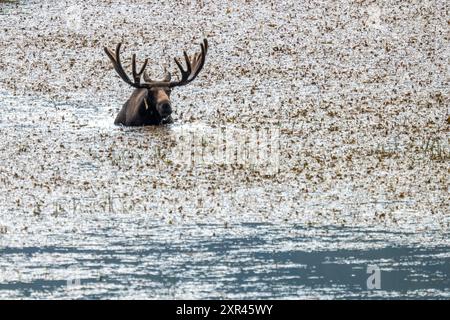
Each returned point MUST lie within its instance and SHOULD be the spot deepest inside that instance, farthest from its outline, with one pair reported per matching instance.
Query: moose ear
(167, 77)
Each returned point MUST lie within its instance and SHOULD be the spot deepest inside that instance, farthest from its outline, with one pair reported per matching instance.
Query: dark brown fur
(144, 108)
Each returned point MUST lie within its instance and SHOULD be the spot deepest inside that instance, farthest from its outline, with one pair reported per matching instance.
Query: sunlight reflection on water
(246, 261)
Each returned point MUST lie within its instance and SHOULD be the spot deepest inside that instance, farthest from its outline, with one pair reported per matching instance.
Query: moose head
(150, 102)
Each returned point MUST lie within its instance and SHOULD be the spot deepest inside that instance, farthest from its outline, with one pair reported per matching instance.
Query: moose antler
(193, 69)
(115, 59)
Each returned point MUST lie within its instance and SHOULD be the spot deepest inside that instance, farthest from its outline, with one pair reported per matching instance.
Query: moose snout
(166, 108)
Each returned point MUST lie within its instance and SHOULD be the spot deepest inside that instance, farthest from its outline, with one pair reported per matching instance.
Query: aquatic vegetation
(312, 121)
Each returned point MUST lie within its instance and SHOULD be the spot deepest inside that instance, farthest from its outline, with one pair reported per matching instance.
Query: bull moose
(150, 103)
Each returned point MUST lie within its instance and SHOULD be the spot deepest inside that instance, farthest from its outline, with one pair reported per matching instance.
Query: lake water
(133, 258)
(309, 159)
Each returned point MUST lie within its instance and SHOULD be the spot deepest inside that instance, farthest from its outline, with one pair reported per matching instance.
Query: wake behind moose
(150, 102)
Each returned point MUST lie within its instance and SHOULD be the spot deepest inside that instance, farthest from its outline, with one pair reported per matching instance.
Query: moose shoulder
(150, 102)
